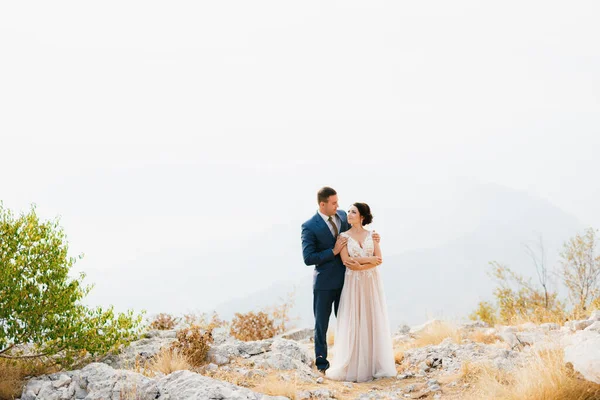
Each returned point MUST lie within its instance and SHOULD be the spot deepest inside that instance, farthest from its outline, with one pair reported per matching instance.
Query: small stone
(212, 367)
(220, 359)
(435, 388)
(348, 385)
(432, 382)
(320, 379)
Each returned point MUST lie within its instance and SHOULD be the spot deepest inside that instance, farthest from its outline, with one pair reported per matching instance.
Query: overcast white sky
(188, 127)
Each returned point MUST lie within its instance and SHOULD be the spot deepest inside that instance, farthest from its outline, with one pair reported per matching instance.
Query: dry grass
(169, 360)
(275, 386)
(194, 342)
(11, 382)
(252, 326)
(12, 374)
(435, 334)
(399, 356)
(470, 372)
(482, 337)
(164, 321)
(130, 392)
(545, 377)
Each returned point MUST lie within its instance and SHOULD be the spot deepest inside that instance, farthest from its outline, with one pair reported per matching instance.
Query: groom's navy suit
(317, 250)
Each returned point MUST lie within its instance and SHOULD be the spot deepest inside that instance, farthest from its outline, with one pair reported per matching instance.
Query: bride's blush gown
(363, 347)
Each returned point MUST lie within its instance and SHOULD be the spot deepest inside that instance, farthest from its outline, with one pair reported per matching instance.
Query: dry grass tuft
(435, 334)
(193, 342)
(545, 377)
(482, 337)
(204, 321)
(470, 372)
(11, 382)
(164, 322)
(398, 356)
(252, 326)
(275, 386)
(13, 372)
(169, 360)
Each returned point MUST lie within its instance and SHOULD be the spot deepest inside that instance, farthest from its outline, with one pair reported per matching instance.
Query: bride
(363, 343)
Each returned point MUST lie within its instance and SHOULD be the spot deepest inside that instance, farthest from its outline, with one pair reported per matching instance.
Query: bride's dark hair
(365, 211)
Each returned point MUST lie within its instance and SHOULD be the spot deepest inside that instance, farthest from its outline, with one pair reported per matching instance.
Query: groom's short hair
(324, 193)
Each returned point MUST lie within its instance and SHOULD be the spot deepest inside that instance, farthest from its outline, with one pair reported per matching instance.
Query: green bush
(40, 304)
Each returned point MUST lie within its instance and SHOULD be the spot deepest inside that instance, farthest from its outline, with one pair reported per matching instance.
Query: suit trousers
(323, 300)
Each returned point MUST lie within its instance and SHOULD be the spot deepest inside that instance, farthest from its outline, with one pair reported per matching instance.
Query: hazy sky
(164, 132)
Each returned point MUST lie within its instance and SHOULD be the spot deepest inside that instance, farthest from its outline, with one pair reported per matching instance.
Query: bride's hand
(376, 236)
(377, 260)
(352, 264)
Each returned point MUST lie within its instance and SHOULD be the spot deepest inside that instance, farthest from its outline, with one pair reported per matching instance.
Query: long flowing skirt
(363, 347)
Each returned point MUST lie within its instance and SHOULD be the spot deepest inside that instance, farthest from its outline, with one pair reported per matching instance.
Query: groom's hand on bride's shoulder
(339, 244)
(376, 237)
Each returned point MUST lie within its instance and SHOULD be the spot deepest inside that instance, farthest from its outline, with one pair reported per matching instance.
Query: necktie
(335, 231)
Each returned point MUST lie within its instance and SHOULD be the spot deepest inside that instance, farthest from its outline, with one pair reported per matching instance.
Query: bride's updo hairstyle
(365, 211)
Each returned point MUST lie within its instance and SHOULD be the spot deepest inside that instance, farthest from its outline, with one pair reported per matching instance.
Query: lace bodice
(354, 249)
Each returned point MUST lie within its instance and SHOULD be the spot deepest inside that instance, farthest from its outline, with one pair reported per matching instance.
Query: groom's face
(331, 206)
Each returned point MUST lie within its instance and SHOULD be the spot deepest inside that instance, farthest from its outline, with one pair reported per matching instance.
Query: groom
(321, 246)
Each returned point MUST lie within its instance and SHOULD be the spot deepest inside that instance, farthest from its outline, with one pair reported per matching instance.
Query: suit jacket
(317, 250)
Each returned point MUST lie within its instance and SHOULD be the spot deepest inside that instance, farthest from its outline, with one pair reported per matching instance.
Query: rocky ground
(281, 367)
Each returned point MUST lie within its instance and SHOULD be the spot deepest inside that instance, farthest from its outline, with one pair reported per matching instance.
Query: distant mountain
(450, 279)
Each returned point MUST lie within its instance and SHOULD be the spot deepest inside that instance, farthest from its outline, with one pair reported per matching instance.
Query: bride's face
(354, 216)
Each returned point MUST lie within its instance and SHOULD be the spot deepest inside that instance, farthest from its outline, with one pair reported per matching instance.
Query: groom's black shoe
(322, 364)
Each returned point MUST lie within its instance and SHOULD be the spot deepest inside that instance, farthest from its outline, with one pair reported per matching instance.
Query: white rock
(581, 325)
(104, 382)
(528, 326)
(594, 327)
(507, 328)
(584, 354)
(595, 316)
(550, 326)
(530, 338)
(298, 334)
(292, 349)
(510, 338)
(63, 380)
